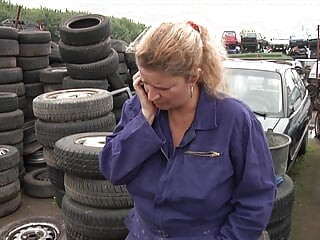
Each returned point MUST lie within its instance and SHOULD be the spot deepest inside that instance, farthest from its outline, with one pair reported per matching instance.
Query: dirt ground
(305, 219)
(306, 176)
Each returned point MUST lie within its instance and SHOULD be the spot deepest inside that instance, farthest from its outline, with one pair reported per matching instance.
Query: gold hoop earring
(191, 91)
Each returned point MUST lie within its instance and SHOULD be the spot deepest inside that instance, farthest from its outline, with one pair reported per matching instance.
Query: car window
(294, 94)
(299, 83)
(254, 87)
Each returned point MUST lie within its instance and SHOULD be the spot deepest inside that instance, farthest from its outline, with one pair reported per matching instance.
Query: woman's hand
(147, 107)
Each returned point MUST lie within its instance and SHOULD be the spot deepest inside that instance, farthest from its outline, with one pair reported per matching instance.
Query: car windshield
(260, 90)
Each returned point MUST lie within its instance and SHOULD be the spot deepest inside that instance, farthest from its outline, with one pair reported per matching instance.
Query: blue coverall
(218, 184)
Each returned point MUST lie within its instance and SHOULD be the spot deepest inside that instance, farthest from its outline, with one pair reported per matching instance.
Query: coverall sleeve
(255, 184)
(133, 142)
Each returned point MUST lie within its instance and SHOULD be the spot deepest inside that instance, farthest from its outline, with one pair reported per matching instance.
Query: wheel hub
(34, 231)
(3, 151)
(96, 141)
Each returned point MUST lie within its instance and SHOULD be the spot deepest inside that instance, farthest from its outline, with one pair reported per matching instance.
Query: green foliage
(122, 28)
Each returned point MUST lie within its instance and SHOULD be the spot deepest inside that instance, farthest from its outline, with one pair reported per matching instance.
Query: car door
(294, 100)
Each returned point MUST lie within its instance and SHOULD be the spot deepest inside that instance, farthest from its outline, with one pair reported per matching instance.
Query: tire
(8, 33)
(10, 75)
(11, 120)
(96, 70)
(115, 81)
(119, 100)
(284, 202)
(53, 75)
(8, 176)
(22, 102)
(119, 45)
(58, 195)
(11, 206)
(33, 63)
(55, 56)
(122, 68)
(37, 184)
(9, 47)
(317, 124)
(32, 76)
(8, 62)
(85, 54)
(51, 227)
(19, 146)
(9, 191)
(97, 223)
(33, 89)
(17, 88)
(48, 133)
(97, 193)
(117, 114)
(72, 105)
(84, 30)
(280, 231)
(77, 158)
(56, 177)
(11, 137)
(8, 102)
(34, 37)
(52, 87)
(30, 148)
(70, 83)
(34, 49)
(122, 58)
(9, 157)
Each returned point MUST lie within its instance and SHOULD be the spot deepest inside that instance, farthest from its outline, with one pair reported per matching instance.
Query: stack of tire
(119, 79)
(131, 63)
(11, 78)
(92, 207)
(52, 78)
(86, 48)
(10, 198)
(11, 126)
(279, 226)
(34, 50)
(65, 112)
(55, 59)
(122, 70)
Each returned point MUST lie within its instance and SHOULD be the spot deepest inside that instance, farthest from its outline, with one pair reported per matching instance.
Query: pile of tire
(11, 126)
(10, 198)
(279, 226)
(11, 78)
(92, 57)
(55, 59)
(86, 48)
(66, 112)
(92, 207)
(34, 50)
(52, 78)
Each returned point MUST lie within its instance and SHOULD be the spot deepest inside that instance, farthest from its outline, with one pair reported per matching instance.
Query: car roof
(257, 65)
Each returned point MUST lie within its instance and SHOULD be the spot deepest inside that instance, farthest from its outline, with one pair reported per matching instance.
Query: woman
(194, 159)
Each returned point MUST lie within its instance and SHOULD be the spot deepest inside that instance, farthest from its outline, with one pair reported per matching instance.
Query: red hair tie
(194, 26)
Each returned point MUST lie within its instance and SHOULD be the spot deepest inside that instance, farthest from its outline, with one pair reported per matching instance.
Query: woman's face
(164, 90)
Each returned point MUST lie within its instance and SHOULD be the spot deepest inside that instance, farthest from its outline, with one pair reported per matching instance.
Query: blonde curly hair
(180, 49)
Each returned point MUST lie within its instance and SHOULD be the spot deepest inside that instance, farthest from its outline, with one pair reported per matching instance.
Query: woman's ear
(195, 78)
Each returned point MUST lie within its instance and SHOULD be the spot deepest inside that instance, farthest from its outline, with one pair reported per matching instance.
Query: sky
(272, 18)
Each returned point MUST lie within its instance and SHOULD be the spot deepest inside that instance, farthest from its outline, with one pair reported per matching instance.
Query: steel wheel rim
(95, 141)
(34, 231)
(3, 151)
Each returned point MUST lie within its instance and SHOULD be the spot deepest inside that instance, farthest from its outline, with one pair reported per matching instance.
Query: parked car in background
(249, 42)
(279, 44)
(277, 95)
(231, 42)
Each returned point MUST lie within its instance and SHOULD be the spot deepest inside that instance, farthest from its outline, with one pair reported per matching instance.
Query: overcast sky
(270, 17)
